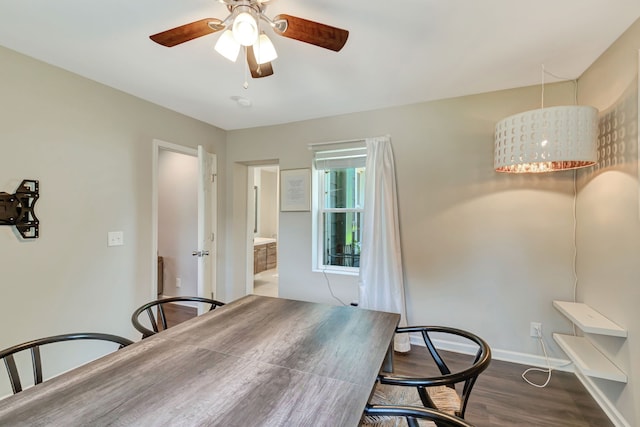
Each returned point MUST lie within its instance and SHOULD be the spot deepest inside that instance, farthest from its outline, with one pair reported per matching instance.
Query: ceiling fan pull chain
(246, 68)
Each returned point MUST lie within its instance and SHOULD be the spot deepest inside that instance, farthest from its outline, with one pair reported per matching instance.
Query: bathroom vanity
(265, 254)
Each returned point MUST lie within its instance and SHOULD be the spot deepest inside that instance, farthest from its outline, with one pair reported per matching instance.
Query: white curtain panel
(381, 282)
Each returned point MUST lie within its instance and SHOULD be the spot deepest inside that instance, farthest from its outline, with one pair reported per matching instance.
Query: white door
(207, 220)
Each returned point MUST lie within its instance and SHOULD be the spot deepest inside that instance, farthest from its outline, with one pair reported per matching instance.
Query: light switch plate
(115, 238)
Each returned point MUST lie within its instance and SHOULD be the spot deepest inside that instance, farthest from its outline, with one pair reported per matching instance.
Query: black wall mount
(17, 209)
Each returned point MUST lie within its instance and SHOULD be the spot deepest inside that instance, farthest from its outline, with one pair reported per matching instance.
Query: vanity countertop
(262, 240)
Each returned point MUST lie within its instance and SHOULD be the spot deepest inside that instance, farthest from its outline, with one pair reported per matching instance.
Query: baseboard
(609, 408)
(191, 304)
(504, 355)
(538, 361)
(535, 360)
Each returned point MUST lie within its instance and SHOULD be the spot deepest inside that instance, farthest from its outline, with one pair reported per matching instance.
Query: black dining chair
(441, 387)
(388, 416)
(159, 322)
(7, 355)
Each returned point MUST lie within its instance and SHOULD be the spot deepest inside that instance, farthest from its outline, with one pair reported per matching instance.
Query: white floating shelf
(588, 359)
(589, 320)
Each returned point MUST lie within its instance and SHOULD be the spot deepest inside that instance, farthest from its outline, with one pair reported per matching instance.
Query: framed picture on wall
(295, 190)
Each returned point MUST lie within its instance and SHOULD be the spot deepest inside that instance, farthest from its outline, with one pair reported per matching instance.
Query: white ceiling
(398, 52)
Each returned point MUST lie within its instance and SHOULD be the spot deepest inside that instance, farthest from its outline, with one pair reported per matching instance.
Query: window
(339, 183)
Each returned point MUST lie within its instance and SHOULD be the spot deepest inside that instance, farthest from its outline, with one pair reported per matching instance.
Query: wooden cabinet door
(272, 255)
(259, 258)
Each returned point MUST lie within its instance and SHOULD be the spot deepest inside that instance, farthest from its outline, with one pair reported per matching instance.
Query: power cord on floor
(547, 371)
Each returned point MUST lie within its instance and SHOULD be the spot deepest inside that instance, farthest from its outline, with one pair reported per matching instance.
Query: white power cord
(575, 250)
(575, 289)
(547, 371)
(331, 290)
(575, 243)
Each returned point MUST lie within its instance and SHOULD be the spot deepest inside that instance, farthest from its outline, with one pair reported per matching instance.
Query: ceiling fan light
(265, 51)
(245, 29)
(227, 46)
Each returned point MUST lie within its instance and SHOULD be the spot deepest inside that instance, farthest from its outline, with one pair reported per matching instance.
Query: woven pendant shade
(546, 140)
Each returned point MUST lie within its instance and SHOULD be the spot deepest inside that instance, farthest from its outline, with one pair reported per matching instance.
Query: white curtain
(381, 283)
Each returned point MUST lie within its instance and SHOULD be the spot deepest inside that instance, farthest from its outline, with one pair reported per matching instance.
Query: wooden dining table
(257, 361)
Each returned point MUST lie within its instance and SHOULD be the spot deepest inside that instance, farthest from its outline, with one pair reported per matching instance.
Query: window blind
(339, 155)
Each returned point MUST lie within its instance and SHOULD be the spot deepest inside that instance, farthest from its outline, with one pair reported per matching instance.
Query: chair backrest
(36, 360)
(448, 377)
(160, 323)
(380, 415)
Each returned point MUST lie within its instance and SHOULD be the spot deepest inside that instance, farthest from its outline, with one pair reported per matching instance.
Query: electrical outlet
(115, 238)
(178, 282)
(535, 329)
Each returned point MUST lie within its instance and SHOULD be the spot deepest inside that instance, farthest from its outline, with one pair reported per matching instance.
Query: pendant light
(547, 139)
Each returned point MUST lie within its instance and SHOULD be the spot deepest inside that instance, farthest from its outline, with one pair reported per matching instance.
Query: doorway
(177, 223)
(183, 221)
(263, 225)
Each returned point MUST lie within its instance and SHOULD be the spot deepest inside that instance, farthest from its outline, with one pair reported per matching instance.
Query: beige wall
(268, 203)
(91, 149)
(609, 217)
(482, 251)
(266, 179)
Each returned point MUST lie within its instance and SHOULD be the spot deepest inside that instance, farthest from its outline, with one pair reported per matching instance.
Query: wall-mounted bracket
(17, 209)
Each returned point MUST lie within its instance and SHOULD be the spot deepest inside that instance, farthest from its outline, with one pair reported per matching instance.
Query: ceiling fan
(241, 28)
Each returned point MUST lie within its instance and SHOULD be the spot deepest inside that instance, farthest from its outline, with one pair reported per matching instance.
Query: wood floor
(177, 313)
(502, 398)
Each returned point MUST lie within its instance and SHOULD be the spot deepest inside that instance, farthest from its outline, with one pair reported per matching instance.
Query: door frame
(158, 145)
(250, 229)
(250, 215)
(207, 231)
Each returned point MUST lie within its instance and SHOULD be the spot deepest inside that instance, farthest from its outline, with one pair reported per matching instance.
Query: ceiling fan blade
(312, 32)
(257, 70)
(187, 32)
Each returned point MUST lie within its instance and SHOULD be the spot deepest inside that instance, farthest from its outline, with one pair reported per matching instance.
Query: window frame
(319, 209)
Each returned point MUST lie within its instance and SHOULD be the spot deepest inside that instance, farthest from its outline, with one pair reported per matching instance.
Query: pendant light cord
(575, 192)
(542, 80)
(575, 84)
(549, 369)
(575, 242)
